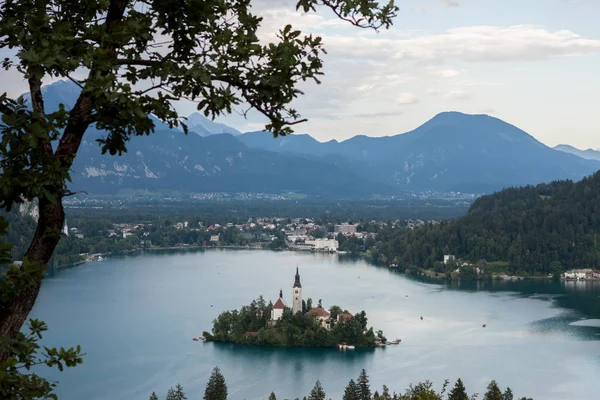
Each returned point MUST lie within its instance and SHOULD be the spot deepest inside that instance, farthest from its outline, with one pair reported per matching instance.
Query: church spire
(297, 281)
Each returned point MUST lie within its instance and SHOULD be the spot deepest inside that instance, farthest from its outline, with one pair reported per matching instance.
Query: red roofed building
(251, 334)
(278, 307)
(344, 317)
(321, 314)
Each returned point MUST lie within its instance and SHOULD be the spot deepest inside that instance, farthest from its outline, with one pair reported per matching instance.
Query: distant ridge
(452, 152)
(588, 154)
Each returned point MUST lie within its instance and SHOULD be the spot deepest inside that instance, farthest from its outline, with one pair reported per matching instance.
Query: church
(280, 305)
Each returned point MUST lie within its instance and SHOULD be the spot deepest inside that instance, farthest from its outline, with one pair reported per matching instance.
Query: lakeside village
(300, 234)
(301, 325)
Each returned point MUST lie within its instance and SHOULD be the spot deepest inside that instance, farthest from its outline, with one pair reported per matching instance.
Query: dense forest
(292, 330)
(532, 230)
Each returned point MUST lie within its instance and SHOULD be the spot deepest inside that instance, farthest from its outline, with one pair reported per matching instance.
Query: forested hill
(530, 230)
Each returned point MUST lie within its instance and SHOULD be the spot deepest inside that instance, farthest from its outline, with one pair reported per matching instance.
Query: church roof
(318, 312)
(297, 280)
(279, 304)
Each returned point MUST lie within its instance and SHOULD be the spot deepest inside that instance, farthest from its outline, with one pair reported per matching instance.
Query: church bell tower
(297, 293)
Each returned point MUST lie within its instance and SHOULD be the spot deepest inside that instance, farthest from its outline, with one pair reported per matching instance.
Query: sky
(532, 63)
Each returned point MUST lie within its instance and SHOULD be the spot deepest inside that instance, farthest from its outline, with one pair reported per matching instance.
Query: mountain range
(589, 154)
(450, 152)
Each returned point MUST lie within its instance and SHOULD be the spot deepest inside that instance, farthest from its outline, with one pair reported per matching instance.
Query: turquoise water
(135, 317)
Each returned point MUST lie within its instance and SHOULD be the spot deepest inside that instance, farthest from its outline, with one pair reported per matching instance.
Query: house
(79, 235)
(344, 317)
(578, 274)
(251, 334)
(449, 258)
(179, 225)
(323, 244)
(126, 234)
(320, 314)
(344, 228)
(214, 238)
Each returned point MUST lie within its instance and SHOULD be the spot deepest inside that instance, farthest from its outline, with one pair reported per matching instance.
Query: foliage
(216, 388)
(364, 391)
(420, 391)
(351, 391)
(458, 392)
(25, 352)
(533, 230)
(493, 392)
(153, 396)
(317, 393)
(292, 330)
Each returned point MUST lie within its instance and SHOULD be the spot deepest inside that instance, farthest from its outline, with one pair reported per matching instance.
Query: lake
(135, 318)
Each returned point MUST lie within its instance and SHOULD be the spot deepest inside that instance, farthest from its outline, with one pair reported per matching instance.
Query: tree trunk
(45, 239)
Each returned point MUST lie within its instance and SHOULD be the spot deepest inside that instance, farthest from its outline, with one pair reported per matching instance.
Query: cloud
(449, 94)
(406, 98)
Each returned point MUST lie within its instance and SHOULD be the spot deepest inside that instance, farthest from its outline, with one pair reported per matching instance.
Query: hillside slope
(535, 229)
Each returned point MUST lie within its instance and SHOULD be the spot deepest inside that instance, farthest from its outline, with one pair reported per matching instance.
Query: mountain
(588, 154)
(203, 126)
(538, 230)
(450, 152)
(169, 160)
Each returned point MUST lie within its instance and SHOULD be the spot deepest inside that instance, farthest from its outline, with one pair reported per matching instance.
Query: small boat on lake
(350, 347)
(397, 341)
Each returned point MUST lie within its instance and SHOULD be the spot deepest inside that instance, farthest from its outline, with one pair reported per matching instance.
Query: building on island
(344, 228)
(297, 294)
(278, 307)
(321, 315)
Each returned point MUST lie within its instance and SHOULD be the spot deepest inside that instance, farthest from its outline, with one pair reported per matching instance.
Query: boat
(484, 325)
(397, 341)
(195, 339)
(350, 347)
(202, 338)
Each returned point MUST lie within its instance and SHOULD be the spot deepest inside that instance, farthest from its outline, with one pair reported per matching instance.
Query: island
(277, 325)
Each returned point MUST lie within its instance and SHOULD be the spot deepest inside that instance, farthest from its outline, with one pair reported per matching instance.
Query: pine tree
(493, 392)
(317, 393)
(153, 396)
(458, 392)
(351, 392)
(364, 392)
(385, 395)
(171, 394)
(272, 396)
(508, 394)
(179, 394)
(216, 389)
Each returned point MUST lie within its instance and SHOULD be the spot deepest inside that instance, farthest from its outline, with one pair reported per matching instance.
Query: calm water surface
(135, 317)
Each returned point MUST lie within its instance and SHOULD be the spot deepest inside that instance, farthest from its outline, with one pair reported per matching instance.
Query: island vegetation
(253, 325)
(216, 389)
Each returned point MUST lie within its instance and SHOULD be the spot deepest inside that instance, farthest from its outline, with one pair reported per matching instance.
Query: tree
(23, 352)
(153, 396)
(179, 394)
(458, 392)
(351, 391)
(364, 392)
(136, 61)
(216, 389)
(170, 394)
(308, 303)
(272, 396)
(508, 394)
(493, 392)
(317, 393)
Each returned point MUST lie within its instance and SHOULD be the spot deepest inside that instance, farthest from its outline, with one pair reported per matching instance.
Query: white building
(323, 244)
(578, 274)
(344, 228)
(214, 238)
(277, 311)
(449, 258)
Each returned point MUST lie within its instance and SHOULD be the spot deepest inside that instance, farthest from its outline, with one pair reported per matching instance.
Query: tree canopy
(133, 60)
